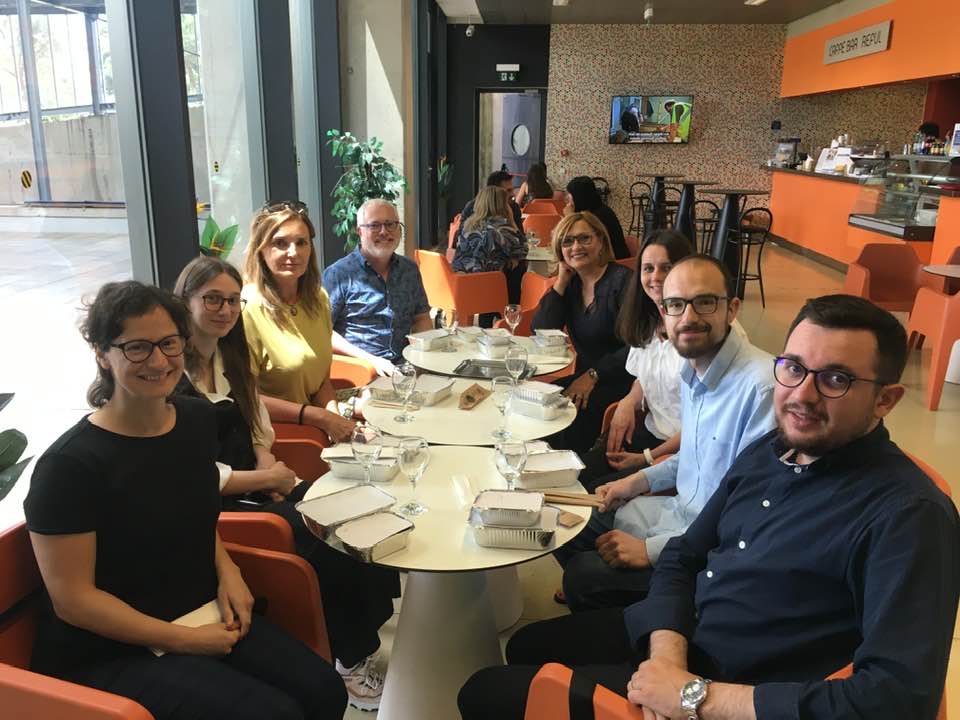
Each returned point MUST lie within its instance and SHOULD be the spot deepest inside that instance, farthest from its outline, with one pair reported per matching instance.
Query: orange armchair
(542, 226)
(256, 529)
(348, 372)
(299, 446)
(467, 293)
(287, 582)
(888, 275)
(935, 319)
(541, 206)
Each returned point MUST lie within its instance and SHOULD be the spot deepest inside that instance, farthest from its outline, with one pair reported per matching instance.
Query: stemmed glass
(502, 388)
(516, 361)
(414, 458)
(511, 458)
(511, 316)
(404, 380)
(367, 444)
(451, 323)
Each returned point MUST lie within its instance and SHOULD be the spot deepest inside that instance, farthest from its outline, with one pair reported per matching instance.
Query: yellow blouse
(288, 365)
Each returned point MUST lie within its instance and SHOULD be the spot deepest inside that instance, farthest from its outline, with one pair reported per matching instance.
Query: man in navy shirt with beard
(824, 544)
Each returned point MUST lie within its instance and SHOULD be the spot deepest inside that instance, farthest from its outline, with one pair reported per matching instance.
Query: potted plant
(216, 242)
(12, 444)
(366, 174)
(444, 181)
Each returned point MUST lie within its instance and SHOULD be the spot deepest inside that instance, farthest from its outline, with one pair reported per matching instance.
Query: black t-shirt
(153, 503)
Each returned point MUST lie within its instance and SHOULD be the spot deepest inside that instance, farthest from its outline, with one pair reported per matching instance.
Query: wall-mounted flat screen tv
(650, 119)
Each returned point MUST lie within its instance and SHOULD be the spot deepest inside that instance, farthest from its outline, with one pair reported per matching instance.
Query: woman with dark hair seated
(357, 598)
(536, 186)
(586, 299)
(582, 196)
(122, 512)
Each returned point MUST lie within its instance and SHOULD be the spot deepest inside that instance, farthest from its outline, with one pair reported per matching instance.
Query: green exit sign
(508, 76)
(508, 72)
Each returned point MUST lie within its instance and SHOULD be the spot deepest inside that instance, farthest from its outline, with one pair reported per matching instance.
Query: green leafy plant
(216, 242)
(444, 176)
(12, 445)
(367, 174)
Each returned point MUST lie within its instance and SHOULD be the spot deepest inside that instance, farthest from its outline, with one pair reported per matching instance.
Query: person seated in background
(376, 295)
(536, 186)
(287, 321)
(824, 544)
(491, 241)
(726, 402)
(357, 598)
(655, 363)
(582, 196)
(585, 300)
(122, 512)
(501, 179)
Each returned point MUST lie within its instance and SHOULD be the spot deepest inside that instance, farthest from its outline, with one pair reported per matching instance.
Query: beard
(699, 348)
(825, 440)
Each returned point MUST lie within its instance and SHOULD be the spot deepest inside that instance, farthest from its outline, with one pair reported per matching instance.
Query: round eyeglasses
(137, 351)
(378, 227)
(213, 302)
(702, 304)
(829, 382)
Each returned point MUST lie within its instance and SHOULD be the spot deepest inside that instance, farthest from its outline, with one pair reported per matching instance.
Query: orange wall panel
(947, 236)
(921, 46)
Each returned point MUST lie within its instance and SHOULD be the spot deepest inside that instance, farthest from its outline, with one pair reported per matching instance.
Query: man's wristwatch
(593, 374)
(692, 696)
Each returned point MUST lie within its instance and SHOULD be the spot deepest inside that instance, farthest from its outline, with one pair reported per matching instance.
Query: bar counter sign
(865, 41)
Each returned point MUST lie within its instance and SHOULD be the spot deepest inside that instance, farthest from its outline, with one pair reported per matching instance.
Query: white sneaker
(364, 683)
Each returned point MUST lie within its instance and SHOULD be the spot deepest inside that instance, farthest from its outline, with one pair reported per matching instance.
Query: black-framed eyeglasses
(137, 351)
(213, 302)
(273, 206)
(829, 382)
(378, 227)
(702, 304)
(584, 240)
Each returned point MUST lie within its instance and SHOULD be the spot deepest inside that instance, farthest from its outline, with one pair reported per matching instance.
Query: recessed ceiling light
(561, 3)
(754, 2)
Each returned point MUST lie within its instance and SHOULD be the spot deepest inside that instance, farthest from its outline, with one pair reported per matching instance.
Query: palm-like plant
(12, 445)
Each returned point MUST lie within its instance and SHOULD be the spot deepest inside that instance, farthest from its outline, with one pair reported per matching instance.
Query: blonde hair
(491, 202)
(263, 227)
(563, 227)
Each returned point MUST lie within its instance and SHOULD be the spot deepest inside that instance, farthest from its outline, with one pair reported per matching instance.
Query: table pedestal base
(503, 586)
(445, 633)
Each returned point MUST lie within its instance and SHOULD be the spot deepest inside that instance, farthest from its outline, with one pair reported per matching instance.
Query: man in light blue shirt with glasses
(726, 397)
(376, 296)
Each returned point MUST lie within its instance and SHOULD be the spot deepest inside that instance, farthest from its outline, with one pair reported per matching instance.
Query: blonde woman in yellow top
(287, 321)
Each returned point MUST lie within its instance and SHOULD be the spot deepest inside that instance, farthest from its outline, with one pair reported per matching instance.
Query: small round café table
(447, 628)
(658, 197)
(444, 363)
(952, 272)
(683, 222)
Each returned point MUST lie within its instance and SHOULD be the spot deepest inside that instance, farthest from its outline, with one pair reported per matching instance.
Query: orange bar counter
(811, 212)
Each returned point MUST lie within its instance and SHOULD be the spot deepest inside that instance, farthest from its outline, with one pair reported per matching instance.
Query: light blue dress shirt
(721, 413)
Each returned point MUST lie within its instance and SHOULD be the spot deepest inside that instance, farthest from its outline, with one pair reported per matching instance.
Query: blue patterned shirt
(370, 313)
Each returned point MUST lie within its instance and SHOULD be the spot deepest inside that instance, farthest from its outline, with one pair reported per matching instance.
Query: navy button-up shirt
(371, 313)
(791, 572)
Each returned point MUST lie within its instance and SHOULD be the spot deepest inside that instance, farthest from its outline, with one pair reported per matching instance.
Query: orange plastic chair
(935, 319)
(541, 206)
(888, 275)
(628, 262)
(542, 226)
(348, 372)
(534, 286)
(560, 200)
(287, 582)
(256, 529)
(299, 446)
(467, 293)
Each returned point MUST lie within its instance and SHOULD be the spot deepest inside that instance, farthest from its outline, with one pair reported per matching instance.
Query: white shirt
(657, 368)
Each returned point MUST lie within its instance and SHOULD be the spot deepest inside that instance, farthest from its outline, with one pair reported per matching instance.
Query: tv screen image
(650, 119)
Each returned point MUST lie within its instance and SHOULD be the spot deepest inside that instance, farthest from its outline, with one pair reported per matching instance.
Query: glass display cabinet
(904, 200)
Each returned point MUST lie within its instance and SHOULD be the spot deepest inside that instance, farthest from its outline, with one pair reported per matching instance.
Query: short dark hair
(498, 177)
(103, 323)
(728, 282)
(848, 312)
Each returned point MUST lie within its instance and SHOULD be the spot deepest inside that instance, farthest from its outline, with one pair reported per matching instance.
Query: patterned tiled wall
(733, 72)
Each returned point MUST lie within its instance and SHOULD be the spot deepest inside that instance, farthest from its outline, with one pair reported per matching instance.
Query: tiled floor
(47, 364)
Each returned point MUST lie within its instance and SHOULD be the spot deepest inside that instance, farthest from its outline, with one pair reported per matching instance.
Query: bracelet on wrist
(648, 455)
(300, 416)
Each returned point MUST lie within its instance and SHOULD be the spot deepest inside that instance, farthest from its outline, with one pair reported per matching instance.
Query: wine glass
(532, 240)
(511, 458)
(516, 361)
(502, 388)
(414, 458)
(404, 380)
(451, 323)
(367, 444)
(511, 316)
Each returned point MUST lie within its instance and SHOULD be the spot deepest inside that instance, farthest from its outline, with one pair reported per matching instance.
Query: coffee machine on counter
(786, 155)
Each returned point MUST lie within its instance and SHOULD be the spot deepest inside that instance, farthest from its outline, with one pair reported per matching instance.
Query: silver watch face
(692, 694)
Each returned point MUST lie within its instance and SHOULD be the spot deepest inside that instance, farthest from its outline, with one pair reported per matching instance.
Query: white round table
(446, 630)
(446, 424)
(442, 362)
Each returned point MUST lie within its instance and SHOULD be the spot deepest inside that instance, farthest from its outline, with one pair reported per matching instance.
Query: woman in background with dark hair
(536, 186)
(357, 599)
(583, 197)
(122, 512)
